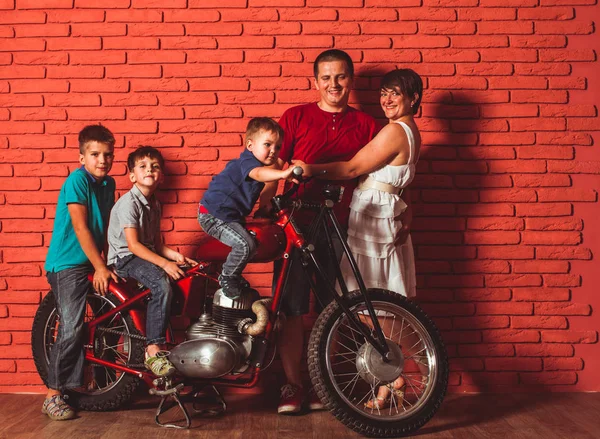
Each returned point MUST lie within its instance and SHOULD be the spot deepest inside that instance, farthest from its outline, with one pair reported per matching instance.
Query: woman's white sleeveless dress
(372, 230)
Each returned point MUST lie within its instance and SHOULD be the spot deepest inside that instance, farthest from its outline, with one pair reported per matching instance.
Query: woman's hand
(402, 235)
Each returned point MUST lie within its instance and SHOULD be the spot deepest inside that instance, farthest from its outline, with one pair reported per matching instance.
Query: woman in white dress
(379, 213)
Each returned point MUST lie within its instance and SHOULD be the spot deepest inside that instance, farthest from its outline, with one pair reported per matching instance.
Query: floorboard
(251, 416)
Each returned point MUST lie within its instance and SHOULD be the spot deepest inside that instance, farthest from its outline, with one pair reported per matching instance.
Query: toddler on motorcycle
(232, 194)
(136, 250)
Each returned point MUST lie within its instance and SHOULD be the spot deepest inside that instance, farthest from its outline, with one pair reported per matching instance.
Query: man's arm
(102, 274)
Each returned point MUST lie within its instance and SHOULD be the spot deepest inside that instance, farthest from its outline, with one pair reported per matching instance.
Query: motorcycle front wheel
(116, 340)
(348, 374)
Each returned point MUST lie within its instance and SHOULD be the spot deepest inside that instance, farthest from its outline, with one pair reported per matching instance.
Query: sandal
(57, 409)
(159, 365)
(380, 402)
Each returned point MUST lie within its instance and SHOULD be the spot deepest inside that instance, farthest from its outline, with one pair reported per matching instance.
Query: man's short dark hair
(406, 81)
(143, 152)
(333, 55)
(265, 124)
(95, 133)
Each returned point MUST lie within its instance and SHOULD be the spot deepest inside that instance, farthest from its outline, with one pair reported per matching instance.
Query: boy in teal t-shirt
(78, 238)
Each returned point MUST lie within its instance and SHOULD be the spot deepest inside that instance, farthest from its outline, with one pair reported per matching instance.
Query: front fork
(378, 343)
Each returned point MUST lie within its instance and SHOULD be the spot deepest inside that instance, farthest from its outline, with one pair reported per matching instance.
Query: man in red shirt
(320, 132)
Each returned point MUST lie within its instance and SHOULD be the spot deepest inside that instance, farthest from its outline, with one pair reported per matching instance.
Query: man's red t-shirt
(317, 136)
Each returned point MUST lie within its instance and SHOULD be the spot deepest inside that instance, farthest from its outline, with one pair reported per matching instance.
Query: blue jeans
(243, 246)
(155, 278)
(70, 287)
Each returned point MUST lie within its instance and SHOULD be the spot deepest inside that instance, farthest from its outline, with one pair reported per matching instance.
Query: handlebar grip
(298, 171)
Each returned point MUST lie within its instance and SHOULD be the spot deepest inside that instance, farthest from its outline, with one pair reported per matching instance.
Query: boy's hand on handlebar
(173, 270)
(189, 262)
(289, 175)
(184, 261)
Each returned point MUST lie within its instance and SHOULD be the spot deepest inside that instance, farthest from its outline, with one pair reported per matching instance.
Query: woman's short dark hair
(333, 55)
(407, 81)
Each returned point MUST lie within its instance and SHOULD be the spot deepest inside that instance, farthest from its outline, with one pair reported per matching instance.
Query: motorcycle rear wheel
(346, 372)
(104, 388)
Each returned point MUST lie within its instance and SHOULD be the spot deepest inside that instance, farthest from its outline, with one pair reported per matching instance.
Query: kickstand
(172, 393)
(211, 411)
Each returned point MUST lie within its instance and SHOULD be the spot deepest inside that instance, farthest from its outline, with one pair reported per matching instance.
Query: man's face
(334, 84)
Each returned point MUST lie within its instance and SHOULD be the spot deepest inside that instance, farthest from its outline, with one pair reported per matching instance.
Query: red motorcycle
(362, 340)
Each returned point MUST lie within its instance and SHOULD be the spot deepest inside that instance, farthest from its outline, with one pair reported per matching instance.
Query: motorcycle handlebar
(279, 201)
(298, 171)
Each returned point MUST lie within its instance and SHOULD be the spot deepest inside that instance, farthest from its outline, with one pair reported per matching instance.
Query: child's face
(97, 159)
(265, 146)
(147, 174)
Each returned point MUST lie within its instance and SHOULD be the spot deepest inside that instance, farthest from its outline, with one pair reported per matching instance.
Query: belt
(370, 183)
(202, 209)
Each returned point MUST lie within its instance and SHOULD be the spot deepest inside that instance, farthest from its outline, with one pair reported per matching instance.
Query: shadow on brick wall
(451, 279)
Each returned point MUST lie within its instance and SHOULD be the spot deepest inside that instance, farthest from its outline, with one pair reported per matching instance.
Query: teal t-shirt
(99, 197)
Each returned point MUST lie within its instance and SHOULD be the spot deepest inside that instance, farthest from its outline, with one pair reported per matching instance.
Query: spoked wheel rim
(112, 342)
(346, 347)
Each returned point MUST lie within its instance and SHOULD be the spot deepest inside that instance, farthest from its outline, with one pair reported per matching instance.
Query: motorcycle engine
(214, 347)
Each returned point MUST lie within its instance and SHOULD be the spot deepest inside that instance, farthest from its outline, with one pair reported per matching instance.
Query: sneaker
(232, 286)
(244, 283)
(159, 365)
(57, 409)
(314, 403)
(291, 400)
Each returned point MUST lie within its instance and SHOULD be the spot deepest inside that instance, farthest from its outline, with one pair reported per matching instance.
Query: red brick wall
(505, 195)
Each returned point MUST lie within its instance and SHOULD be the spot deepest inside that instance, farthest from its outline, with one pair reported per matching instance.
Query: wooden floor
(548, 416)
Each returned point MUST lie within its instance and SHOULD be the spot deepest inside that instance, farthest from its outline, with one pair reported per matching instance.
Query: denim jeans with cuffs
(242, 243)
(70, 288)
(155, 278)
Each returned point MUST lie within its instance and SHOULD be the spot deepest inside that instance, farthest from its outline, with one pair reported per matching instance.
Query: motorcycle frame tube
(294, 239)
(144, 375)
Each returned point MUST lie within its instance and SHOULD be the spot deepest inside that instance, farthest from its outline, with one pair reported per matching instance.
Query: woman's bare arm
(375, 154)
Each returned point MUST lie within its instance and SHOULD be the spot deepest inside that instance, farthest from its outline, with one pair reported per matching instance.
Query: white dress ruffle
(372, 230)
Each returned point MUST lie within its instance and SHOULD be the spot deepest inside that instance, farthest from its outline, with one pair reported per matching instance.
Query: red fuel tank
(270, 237)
